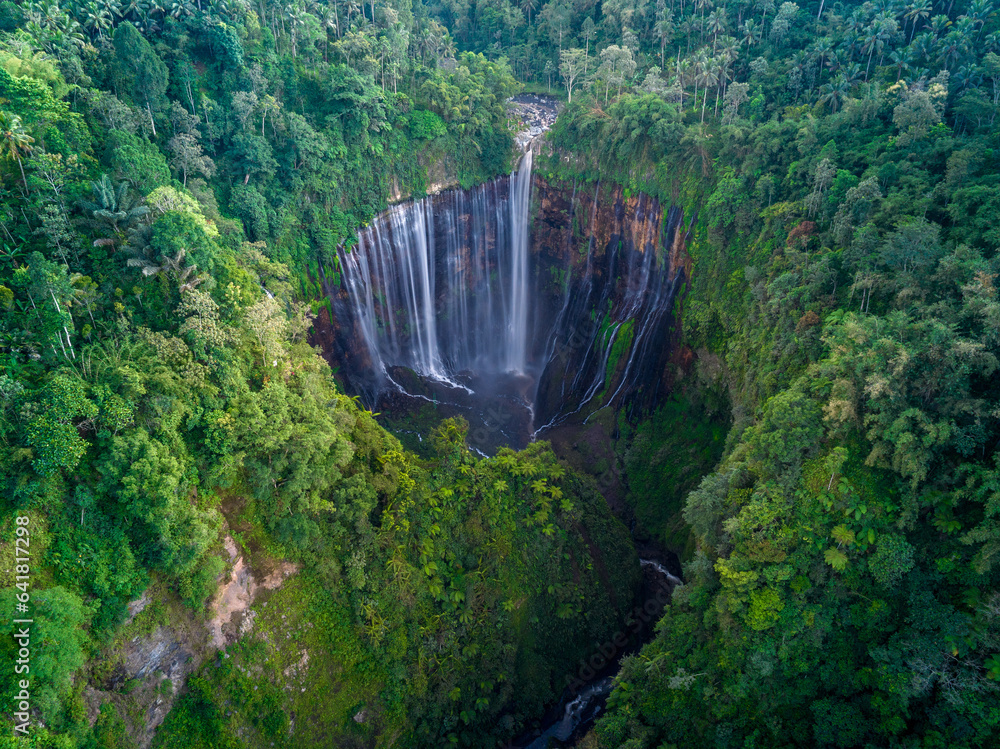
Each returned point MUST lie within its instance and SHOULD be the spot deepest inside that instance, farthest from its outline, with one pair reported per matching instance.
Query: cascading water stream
(520, 207)
(458, 301)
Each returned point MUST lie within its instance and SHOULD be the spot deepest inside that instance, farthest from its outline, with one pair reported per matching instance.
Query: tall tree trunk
(23, 178)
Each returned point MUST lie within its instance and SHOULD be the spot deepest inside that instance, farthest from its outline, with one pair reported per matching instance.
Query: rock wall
(605, 267)
(608, 265)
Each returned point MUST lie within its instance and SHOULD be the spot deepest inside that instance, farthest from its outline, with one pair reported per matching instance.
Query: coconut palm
(901, 60)
(709, 78)
(979, 11)
(822, 50)
(15, 143)
(172, 267)
(920, 10)
(835, 92)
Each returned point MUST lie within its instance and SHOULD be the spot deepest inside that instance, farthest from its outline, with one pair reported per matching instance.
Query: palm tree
(330, 22)
(874, 39)
(967, 76)
(700, 63)
(725, 75)
(172, 267)
(939, 24)
(822, 49)
(852, 73)
(686, 29)
(716, 24)
(979, 11)
(709, 78)
(14, 141)
(952, 48)
(702, 5)
(901, 60)
(528, 6)
(684, 75)
(96, 20)
(113, 206)
(852, 43)
(919, 10)
(664, 31)
(834, 92)
(352, 7)
(924, 47)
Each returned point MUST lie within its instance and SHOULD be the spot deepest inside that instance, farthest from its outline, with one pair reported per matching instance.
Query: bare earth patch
(232, 600)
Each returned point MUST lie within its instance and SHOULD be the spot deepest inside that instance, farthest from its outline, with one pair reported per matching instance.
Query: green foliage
(110, 731)
(57, 642)
(138, 71)
(52, 433)
(136, 160)
(843, 166)
(426, 125)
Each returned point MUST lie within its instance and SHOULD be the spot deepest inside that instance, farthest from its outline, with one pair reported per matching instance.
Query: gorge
(519, 304)
(342, 410)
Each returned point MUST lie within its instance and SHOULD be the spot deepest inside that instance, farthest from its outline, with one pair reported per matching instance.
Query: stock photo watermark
(22, 623)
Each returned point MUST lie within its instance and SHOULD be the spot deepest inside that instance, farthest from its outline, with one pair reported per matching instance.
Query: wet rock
(537, 114)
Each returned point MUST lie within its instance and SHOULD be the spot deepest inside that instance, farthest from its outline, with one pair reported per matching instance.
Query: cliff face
(608, 268)
(604, 267)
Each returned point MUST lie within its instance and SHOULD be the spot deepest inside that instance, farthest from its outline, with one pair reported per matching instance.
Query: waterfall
(445, 313)
(520, 208)
(569, 317)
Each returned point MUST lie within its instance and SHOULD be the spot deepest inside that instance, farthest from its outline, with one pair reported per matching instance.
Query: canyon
(521, 304)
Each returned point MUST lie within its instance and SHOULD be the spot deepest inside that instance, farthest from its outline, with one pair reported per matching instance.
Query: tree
(617, 65)
(783, 21)
(557, 14)
(587, 31)
(53, 434)
(268, 325)
(825, 172)
(528, 6)
(835, 92)
(58, 643)
(915, 115)
(50, 295)
(920, 10)
(664, 32)
(572, 63)
(736, 94)
(15, 142)
(187, 156)
(113, 207)
(138, 71)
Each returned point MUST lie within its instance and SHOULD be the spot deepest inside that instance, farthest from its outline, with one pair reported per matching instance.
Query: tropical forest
(611, 374)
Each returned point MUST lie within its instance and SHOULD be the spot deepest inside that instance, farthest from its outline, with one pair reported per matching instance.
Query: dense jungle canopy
(173, 177)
